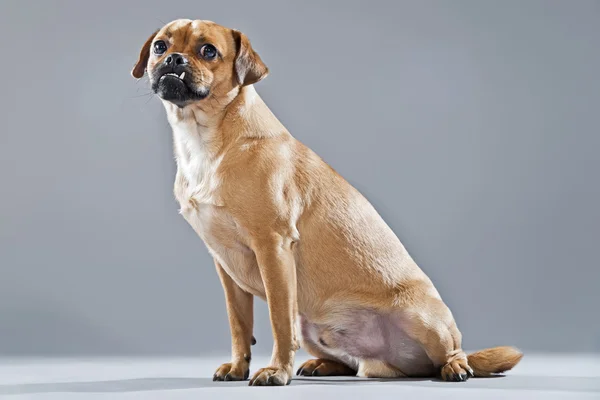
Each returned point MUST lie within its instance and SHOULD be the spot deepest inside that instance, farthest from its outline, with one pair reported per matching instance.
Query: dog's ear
(140, 66)
(248, 66)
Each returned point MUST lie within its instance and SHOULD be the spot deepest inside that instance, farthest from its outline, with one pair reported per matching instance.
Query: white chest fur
(197, 162)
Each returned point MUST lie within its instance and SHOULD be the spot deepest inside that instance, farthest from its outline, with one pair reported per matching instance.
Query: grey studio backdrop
(473, 127)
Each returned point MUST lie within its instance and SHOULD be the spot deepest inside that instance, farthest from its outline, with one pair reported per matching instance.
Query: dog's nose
(175, 59)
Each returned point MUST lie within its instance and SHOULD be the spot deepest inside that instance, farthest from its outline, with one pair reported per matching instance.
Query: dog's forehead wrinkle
(174, 28)
(190, 34)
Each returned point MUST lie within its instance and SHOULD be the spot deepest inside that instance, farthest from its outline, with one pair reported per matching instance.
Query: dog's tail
(494, 361)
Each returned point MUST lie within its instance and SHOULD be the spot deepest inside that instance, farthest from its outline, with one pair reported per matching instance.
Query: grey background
(471, 125)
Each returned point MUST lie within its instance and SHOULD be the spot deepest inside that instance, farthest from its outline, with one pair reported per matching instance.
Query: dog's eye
(160, 47)
(208, 51)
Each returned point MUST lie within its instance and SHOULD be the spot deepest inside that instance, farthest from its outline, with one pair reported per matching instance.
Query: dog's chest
(197, 183)
(225, 239)
(197, 189)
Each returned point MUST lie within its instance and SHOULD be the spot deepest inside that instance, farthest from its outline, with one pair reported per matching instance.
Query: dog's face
(189, 61)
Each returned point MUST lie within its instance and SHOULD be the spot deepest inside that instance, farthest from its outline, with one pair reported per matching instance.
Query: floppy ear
(248, 66)
(142, 62)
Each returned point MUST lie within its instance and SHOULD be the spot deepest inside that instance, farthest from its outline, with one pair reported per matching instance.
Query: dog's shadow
(179, 383)
(150, 384)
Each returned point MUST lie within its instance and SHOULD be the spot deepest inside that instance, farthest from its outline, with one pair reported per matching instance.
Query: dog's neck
(240, 114)
(202, 132)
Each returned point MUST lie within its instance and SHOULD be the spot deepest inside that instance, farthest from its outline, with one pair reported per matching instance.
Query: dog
(283, 226)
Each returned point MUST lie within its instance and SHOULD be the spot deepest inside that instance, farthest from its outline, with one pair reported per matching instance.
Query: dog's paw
(271, 376)
(322, 367)
(232, 372)
(456, 371)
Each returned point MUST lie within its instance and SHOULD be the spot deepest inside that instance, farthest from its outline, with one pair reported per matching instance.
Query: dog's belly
(227, 243)
(360, 334)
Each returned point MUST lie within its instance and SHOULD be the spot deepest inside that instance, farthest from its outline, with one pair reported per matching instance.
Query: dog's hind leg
(325, 367)
(326, 364)
(433, 327)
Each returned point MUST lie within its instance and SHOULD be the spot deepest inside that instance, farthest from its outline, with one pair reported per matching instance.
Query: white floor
(537, 377)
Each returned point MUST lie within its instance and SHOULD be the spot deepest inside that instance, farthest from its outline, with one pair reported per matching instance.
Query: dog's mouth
(178, 89)
(181, 76)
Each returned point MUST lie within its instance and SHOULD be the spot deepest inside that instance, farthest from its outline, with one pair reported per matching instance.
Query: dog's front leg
(278, 271)
(240, 313)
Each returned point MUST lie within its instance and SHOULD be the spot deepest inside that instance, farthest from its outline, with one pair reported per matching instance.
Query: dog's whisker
(149, 98)
(141, 95)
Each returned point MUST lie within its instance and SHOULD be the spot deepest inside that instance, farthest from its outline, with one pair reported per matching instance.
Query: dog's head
(188, 61)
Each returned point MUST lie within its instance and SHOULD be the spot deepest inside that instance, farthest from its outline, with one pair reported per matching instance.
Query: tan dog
(284, 226)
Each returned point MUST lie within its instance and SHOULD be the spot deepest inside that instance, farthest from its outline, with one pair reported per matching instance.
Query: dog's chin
(175, 90)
